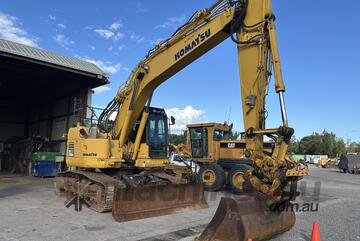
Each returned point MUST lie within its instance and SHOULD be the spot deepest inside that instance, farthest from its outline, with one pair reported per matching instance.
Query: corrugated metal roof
(42, 55)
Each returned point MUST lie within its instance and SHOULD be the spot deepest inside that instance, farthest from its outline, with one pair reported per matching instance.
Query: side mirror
(172, 120)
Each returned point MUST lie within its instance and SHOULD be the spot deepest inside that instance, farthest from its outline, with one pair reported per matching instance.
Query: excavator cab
(155, 134)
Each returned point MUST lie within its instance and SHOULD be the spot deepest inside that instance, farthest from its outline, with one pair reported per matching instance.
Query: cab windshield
(157, 135)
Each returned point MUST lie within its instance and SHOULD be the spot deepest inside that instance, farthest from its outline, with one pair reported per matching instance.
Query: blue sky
(318, 43)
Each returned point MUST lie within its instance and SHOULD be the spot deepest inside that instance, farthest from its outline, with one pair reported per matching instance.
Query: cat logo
(231, 145)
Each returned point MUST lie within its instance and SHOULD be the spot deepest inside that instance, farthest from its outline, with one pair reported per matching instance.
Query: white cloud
(101, 89)
(137, 38)
(110, 48)
(62, 26)
(92, 47)
(10, 30)
(107, 66)
(104, 33)
(108, 34)
(52, 17)
(116, 25)
(184, 116)
(118, 36)
(63, 41)
(173, 22)
(121, 47)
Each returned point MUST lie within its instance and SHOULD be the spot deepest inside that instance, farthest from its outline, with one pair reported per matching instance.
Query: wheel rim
(209, 177)
(238, 180)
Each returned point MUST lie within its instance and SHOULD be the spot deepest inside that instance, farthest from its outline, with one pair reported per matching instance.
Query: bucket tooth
(247, 217)
(156, 200)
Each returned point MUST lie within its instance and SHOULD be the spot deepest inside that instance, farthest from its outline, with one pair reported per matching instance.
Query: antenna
(228, 121)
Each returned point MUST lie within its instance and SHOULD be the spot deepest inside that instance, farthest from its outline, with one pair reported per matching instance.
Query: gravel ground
(31, 211)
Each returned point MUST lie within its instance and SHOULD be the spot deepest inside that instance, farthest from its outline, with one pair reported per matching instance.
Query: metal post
(141, 129)
(283, 109)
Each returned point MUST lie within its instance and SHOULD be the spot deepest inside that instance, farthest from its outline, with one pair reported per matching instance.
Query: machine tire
(234, 178)
(215, 175)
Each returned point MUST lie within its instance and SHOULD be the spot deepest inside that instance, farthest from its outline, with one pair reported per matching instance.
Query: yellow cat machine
(135, 146)
(222, 161)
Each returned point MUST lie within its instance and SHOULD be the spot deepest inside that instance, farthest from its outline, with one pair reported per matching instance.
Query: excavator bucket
(156, 200)
(248, 217)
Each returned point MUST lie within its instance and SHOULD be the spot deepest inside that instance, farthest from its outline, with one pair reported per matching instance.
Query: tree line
(325, 143)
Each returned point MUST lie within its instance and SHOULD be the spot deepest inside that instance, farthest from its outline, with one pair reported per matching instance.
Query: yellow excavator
(124, 166)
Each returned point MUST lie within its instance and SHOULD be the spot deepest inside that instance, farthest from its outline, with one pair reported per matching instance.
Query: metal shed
(41, 95)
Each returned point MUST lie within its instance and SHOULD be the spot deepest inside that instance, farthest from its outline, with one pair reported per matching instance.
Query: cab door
(199, 142)
(157, 134)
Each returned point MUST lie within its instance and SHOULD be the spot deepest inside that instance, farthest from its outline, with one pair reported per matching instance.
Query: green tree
(293, 145)
(310, 144)
(325, 143)
(353, 147)
(340, 148)
(176, 139)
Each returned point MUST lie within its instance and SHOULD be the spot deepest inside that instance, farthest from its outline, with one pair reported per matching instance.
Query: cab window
(157, 135)
(218, 135)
